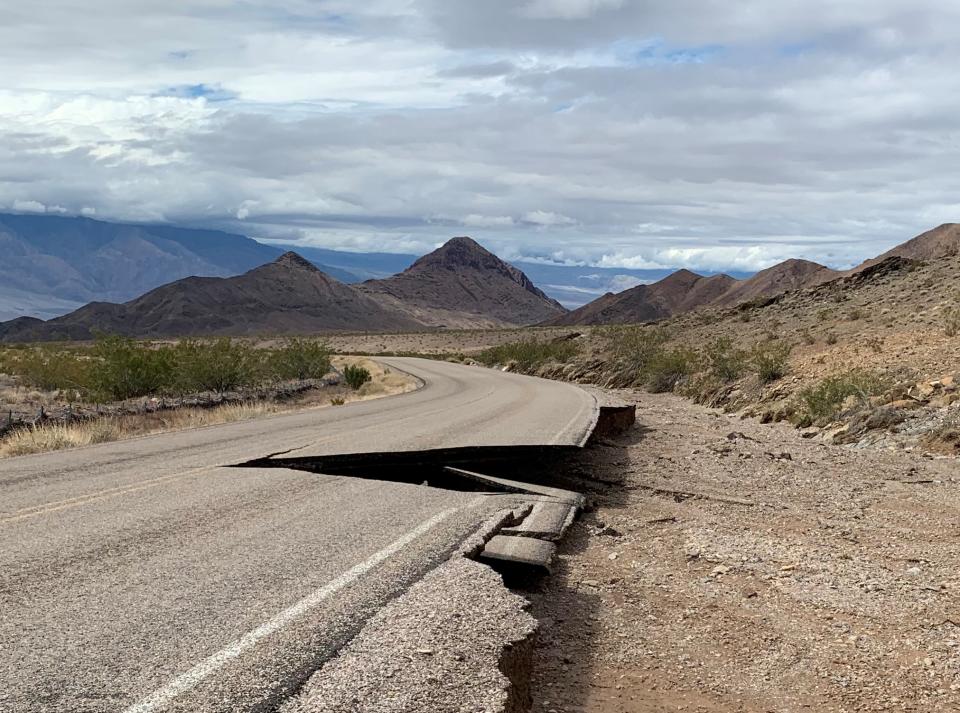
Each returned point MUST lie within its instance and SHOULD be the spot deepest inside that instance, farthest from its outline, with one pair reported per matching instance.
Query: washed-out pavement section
(458, 640)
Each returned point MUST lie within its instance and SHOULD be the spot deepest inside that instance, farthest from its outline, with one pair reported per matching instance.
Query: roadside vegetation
(116, 368)
(356, 376)
(70, 396)
(647, 357)
(823, 402)
(528, 354)
(59, 436)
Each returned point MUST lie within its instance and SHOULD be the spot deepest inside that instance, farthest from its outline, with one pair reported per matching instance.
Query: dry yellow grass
(55, 437)
(384, 381)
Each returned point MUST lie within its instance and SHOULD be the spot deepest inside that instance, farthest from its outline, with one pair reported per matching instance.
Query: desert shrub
(822, 402)
(807, 337)
(337, 401)
(724, 362)
(355, 376)
(634, 348)
(125, 369)
(769, 360)
(667, 367)
(299, 359)
(951, 321)
(528, 354)
(220, 365)
(831, 338)
(52, 369)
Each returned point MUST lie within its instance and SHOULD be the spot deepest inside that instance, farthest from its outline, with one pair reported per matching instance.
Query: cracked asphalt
(146, 576)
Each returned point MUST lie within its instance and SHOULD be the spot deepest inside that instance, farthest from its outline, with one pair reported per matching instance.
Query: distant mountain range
(458, 285)
(571, 285)
(684, 291)
(54, 264)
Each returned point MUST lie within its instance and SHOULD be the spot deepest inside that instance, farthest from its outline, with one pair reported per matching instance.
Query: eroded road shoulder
(739, 567)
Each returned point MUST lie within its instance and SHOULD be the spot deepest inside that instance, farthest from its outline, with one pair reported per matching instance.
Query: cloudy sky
(631, 133)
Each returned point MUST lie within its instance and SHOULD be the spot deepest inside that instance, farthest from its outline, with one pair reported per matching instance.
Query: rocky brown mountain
(679, 292)
(461, 284)
(287, 296)
(683, 290)
(785, 276)
(942, 241)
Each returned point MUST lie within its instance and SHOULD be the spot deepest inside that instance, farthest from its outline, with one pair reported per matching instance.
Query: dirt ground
(735, 566)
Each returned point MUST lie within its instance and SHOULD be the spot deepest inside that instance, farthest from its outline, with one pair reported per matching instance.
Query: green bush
(51, 369)
(667, 367)
(300, 359)
(124, 369)
(634, 348)
(769, 360)
(528, 354)
(355, 376)
(723, 361)
(823, 401)
(221, 365)
(118, 368)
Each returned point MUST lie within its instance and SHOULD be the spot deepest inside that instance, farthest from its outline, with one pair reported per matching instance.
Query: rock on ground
(741, 567)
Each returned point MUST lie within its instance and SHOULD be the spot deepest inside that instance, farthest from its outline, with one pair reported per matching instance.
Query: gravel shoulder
(736, 566)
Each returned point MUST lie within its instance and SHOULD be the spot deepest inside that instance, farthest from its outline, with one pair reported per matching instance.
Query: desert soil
(736, 566)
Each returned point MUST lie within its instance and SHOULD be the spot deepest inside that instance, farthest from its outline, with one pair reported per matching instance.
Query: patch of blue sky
(656, 50)
(213, 93)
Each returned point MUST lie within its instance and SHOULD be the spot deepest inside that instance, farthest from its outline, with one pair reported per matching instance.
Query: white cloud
(29, 206)
(622, 133)
(487, 221)
(547, 218)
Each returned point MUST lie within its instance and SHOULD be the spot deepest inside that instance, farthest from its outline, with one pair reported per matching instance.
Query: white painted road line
(183, 683)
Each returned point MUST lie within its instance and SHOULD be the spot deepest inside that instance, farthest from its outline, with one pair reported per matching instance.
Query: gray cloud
(487, 69)
(611, 132)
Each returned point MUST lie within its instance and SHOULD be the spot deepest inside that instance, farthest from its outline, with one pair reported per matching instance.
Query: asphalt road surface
(146, 575)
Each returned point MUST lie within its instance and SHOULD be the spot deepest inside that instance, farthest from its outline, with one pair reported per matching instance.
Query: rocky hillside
(287, 296)
(461, 284)
(783, 277)
(942, 241)
(870, 357)
(680, 292)
(684, 291)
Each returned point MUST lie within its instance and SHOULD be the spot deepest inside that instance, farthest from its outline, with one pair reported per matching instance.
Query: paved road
(145, 576)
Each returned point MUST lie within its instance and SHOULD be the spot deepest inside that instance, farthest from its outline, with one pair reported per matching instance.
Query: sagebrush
(117, 368)
(528, 354)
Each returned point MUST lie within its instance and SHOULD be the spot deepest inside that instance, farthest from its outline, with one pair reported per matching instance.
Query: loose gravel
(740, 567)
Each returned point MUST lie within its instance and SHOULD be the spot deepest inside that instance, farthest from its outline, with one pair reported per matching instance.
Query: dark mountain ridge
(463, 284)
(647, 303)
(287, 296)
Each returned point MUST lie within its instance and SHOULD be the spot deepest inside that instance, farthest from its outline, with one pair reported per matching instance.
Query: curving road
(147, 576)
